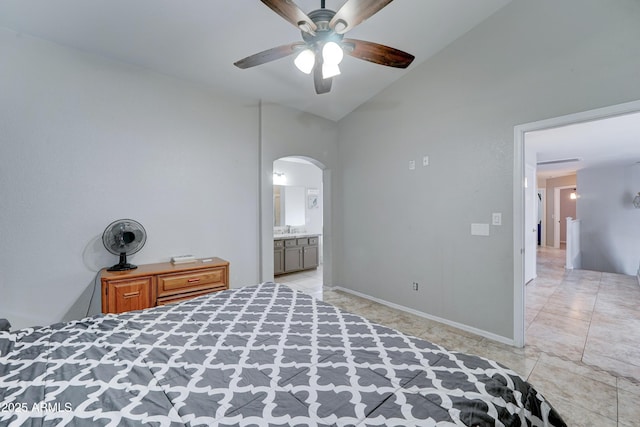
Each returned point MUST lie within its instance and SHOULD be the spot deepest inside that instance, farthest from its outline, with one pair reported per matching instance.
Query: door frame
(518, 197)
(325, 177)
(531, 188)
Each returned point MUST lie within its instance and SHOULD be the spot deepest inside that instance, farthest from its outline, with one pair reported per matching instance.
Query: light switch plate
(425, 161)
(480, 229)
(496, 218)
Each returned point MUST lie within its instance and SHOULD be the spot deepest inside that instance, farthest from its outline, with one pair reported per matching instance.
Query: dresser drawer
(313, 240)
(211, 278)
(129, 294)
(302, 242)
(278, 244)
(182, 297)
(290, 243)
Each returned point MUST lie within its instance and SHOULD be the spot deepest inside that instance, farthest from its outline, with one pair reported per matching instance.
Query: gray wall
(86, 141)
(530, 61)
(288, 132)
(610, 225)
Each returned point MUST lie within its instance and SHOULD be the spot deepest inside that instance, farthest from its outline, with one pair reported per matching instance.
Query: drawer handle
(131, 294)
(196, 280)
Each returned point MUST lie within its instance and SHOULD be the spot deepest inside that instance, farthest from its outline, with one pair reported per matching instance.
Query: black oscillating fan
(124, 237)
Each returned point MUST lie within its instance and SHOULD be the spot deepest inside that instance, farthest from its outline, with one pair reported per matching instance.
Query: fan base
(122, 267)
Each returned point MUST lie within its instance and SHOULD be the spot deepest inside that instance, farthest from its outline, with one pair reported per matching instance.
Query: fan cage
(124, 237)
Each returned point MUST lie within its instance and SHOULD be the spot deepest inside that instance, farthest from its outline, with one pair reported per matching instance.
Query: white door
(557, 215)
(530, 223)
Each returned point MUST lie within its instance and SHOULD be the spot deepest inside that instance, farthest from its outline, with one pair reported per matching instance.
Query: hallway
(589, 323)
(585, 316)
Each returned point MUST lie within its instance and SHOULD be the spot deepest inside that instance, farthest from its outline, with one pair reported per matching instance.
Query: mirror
(288, 205)
(278, 206)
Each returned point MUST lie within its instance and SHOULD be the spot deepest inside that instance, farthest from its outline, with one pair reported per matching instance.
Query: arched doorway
(298, 223)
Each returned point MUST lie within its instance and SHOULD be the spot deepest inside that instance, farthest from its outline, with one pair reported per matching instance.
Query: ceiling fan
(324, 45)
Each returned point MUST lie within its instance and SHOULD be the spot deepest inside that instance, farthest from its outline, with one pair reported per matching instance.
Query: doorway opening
(564, 205)
(524, 156)
(298, 223)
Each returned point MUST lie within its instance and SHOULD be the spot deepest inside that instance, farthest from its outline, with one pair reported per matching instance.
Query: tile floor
(309, 281)
(583, 338)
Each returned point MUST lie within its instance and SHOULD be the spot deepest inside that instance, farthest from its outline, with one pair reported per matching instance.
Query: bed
(258, 355)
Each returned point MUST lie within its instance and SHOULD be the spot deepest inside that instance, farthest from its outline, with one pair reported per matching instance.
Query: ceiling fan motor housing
(323, 34)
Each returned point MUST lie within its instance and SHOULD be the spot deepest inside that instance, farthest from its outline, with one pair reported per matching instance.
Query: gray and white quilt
(261, 355)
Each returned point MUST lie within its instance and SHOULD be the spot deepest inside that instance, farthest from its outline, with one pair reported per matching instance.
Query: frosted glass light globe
(332, 53)
(330, 70)
(305, 61)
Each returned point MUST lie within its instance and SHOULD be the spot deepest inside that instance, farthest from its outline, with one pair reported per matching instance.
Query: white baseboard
(476, 331)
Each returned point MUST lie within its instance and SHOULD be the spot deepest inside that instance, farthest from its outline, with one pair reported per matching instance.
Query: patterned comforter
(259, 355)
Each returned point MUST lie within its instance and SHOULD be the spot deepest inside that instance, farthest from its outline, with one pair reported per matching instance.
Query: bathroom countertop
(294, 236)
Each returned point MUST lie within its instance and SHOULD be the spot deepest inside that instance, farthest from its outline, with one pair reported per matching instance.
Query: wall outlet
(415, 286)
(412, 165)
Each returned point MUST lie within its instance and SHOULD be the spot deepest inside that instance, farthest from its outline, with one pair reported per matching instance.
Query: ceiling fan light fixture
(323, 33)
(330, 70)
(332, 53)
(305, 61)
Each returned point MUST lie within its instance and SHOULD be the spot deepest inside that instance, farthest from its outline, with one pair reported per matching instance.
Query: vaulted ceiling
(199, 40)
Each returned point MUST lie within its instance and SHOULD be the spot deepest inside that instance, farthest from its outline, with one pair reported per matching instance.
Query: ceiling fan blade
(377, 53)
(268, 55)
(353, 12)
(322, 85)
(292, 13)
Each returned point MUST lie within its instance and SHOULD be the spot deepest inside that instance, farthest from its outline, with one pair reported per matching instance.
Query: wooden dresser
(162, 283)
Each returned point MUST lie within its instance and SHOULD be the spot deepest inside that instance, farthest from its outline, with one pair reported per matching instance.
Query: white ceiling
(607, 142)
(199, 40)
